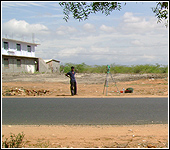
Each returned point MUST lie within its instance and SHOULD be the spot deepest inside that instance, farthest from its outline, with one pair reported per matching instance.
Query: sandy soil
(89, 85)
(64, 136)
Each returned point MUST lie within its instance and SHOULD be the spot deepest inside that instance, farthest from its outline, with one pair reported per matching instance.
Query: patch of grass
(41, 144)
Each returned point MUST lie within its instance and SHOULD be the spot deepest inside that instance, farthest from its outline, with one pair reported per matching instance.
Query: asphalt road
(88, 111)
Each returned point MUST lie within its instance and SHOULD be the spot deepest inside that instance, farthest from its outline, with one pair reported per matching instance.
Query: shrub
(83, 68)
(15, 141)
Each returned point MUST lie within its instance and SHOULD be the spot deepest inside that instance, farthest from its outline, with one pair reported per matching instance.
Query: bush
(15, 141)
(83, 68)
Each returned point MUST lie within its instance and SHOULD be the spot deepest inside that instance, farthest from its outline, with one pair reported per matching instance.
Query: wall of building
(49, 66)
(43, 67)
(12, 50)
(19, 64)
(15, 64)
(55, 66)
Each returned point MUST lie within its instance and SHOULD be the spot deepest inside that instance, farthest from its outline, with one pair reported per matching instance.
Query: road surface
(87, 111)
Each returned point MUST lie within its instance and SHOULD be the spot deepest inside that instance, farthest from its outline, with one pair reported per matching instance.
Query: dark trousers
(73, 88)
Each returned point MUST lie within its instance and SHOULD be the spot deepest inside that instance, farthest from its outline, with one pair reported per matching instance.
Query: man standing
(73, 83)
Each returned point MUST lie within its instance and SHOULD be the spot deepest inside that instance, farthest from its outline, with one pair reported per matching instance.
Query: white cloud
(107, 29)
(136, 42)
(129, 17)
(149, 58)
(46, 15)
(89, 27)
(22, 26)
(37, 4)
(19, 28)
(21, 4)
(132, 24)
(71, 52)
(65, 30)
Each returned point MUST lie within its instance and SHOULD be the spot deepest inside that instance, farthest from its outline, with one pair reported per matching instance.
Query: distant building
(53, 64)
(19, 56)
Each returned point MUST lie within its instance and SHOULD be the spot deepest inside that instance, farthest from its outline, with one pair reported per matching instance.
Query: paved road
(100, 111)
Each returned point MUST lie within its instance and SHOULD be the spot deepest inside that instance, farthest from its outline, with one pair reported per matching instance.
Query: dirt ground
(89, 85)
(82, 136)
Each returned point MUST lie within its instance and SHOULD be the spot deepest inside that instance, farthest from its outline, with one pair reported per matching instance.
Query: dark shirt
(72, 76)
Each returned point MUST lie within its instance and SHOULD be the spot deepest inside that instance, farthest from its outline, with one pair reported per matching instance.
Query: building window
(28, 48)
(18, 62)
(6, 46)
(18, 47)
(6, 62)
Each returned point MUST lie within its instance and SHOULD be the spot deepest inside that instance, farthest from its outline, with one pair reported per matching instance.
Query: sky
(130, 36)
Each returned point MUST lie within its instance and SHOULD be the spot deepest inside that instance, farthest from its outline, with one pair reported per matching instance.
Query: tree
(161, 12)
(82, 10)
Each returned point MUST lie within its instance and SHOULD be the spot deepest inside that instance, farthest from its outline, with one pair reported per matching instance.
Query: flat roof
(20, 41)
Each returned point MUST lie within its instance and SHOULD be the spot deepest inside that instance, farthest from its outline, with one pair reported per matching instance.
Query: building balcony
(18, 53)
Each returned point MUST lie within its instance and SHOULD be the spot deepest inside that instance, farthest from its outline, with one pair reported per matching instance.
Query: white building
(18, 48)
(19, 56)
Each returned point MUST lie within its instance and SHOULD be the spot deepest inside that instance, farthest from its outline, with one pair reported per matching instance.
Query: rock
(151, 146)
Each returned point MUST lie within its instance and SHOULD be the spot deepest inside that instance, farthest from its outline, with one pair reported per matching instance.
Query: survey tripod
(107, 81)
